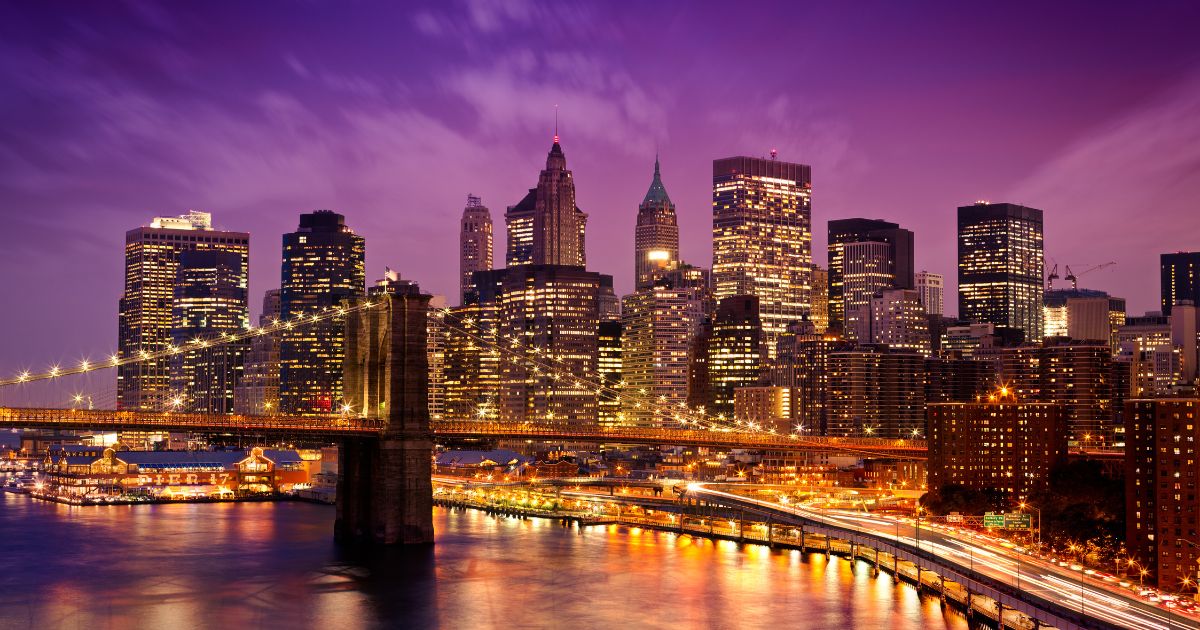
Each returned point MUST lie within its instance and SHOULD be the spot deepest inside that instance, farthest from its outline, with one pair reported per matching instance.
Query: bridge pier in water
(385, 494)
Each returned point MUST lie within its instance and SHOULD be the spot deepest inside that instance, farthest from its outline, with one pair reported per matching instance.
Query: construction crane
(1074, 277)
(1052, 277)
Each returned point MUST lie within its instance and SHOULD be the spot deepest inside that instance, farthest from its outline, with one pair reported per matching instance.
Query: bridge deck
(334, 427)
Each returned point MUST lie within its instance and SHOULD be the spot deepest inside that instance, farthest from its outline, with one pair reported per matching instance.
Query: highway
(1041, 579)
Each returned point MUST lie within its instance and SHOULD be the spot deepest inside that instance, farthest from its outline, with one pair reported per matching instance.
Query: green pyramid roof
(657, 195)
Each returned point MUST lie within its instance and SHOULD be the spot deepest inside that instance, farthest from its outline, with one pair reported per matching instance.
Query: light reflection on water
(275, 564)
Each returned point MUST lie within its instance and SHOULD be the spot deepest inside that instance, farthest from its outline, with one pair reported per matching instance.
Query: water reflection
(275, 564)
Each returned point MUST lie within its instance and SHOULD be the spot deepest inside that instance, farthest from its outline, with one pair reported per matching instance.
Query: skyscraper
(258, 390)
(546, 227)
(145, 318)
(931, 287)
(554, 311)
(658, 325)
(762, 238)
(475, 243)
(609, 372)
(472, 362)
(656, 237)
(865, 271)
(1180, 279)
(899, 257)
(323, 264)
(735, 351)
(209, 302)
(1000, 266)
(819, 315)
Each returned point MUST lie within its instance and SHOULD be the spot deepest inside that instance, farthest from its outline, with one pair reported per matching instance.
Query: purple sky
(391, 114)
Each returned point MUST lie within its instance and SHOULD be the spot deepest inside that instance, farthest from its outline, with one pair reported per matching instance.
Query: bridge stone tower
(385, 495)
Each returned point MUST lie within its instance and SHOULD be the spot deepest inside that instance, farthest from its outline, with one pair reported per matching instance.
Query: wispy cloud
(1137, 171)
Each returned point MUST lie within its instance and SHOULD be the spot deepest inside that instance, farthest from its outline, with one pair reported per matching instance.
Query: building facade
(900, 256)
(866, 270)
(474, 243)
(1180, 281)
(893, 317)
(610, 373)
(546, 227)
(1160, 488)
(931, 287)
(762, 238)
(553, 312)
(258, 391)
(323, 264)
(658, 325)
(1084, 314)
(472, 356)
(145, 311)
(801, 364)
(210, 302)
(1001, 267)
(656, 237)
(876, 392)
(736, 351)
(999, 445)
(819, 315)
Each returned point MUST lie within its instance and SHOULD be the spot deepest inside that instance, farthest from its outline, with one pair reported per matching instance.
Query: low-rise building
(95, 474)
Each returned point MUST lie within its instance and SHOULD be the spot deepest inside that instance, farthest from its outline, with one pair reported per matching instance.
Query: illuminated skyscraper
(899, 257)
(735, 351)
(609, 368)
(1180, 279)
(931, 287)
(546, 227)
(554, 311)
(658, 325)
(258, 390)
(1000, 266)
(323, 264)
(145, 319)
(209, 302)
(866, 270)
(820, 298)
(656, 238)
(762, 238)
(475, 243)
(472, 361)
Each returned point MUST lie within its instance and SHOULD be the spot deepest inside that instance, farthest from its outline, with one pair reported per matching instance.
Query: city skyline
(83, 200)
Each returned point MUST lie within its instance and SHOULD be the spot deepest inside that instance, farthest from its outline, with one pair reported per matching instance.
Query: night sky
(391, 113)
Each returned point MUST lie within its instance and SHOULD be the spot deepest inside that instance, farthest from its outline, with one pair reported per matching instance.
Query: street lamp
(1024, 505)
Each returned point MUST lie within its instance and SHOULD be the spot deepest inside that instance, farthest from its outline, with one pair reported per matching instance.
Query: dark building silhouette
(1180, 279)
(323, 264)
(210, 300)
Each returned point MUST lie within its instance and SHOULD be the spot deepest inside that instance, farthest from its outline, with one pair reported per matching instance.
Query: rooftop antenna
(556, 123)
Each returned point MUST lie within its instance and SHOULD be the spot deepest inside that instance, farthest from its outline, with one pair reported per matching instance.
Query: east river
(275, 565)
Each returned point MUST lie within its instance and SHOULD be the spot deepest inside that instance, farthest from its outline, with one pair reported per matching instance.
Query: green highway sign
(1018, 521)
(993, 520)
